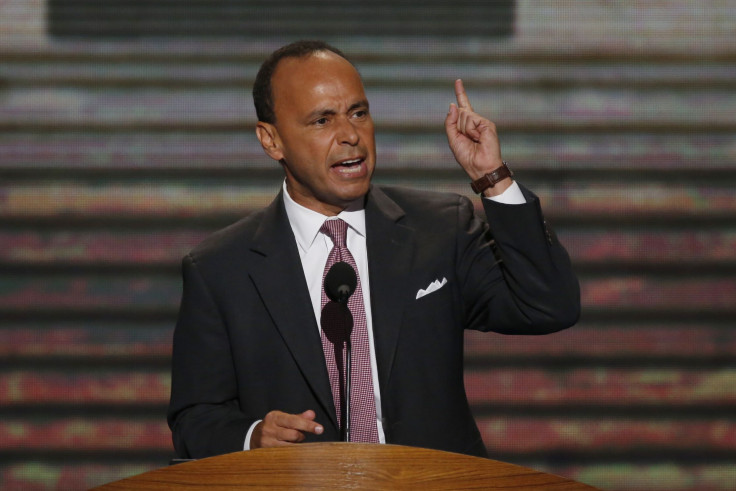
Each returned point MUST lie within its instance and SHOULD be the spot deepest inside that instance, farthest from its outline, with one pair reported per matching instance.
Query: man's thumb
(451, 119)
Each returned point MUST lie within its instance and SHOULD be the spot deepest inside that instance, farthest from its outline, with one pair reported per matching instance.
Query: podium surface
(345, 466)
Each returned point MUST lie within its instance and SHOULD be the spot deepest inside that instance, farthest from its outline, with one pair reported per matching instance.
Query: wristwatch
(492, 178)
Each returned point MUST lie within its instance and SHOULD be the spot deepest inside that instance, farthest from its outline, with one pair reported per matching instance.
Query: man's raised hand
(472, 138)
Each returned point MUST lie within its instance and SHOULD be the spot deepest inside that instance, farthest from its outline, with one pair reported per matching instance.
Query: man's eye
(321, 121)
(360, 114)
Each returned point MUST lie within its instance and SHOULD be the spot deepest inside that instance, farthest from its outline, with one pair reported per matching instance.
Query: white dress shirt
(314, 247)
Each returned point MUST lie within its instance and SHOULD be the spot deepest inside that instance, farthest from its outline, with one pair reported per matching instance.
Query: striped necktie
(334, 332)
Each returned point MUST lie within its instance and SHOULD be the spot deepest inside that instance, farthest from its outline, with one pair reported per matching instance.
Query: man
(252, 365)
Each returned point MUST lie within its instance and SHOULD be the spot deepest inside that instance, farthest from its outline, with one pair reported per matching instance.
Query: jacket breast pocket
(433, 310)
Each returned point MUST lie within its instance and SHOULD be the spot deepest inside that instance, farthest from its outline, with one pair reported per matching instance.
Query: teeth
(350, 170)
(350, 162)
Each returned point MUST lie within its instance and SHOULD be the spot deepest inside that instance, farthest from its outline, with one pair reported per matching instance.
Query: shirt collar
(306, 223)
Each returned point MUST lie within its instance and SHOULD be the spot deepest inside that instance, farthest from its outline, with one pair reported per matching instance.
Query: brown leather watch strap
(492, 178)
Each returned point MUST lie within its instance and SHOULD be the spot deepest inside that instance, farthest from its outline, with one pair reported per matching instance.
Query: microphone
(340, 282)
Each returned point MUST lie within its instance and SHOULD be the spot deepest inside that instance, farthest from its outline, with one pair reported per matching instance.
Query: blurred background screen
(126, 137)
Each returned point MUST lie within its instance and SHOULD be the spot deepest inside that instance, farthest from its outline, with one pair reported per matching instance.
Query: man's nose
(347, 133)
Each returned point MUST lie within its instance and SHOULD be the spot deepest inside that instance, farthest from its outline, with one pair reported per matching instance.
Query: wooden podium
(345, 466)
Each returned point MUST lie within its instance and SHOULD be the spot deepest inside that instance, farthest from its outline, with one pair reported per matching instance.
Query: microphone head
(340, 282)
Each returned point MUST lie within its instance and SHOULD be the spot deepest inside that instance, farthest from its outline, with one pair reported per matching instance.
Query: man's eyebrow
(363, 103)
(359, 104)
(320, 112)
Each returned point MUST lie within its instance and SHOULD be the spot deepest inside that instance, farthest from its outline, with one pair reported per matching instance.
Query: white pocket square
(433, 287)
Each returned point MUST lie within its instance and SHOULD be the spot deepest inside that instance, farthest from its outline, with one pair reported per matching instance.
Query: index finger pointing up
(462, 97)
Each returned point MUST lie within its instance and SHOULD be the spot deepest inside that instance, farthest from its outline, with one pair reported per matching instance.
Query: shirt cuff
(512, 196)
(246, 445)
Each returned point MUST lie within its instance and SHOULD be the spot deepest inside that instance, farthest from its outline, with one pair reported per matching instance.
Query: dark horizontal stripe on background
(635, 344)
(102, 248)
(215, 72)
(233, 18)
(92, 291)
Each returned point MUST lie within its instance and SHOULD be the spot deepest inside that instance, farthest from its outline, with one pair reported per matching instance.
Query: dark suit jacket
(246, 341)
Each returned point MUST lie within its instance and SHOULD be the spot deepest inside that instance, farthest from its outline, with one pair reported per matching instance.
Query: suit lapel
(279, 278)
(390, 252)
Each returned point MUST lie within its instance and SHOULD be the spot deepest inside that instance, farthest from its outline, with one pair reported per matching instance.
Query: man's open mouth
(349, 166)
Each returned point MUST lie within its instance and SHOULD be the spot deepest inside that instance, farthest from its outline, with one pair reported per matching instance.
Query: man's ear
(270, 141)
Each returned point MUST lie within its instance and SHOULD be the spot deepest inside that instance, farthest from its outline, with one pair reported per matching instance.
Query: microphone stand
(348, 364)
(339, 284)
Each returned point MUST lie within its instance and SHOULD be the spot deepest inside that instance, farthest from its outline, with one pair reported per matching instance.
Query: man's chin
(355, 204)
(353, 200)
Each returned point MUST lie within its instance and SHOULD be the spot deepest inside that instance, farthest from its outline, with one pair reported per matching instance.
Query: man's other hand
(278, 429)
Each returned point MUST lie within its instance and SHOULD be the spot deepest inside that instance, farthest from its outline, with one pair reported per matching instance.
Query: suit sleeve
(516, 277)
(204, 413)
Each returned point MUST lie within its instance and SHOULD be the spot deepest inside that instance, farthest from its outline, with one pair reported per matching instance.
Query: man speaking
(266, 353)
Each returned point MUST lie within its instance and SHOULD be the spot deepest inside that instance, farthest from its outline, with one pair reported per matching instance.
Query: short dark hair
(262, 94)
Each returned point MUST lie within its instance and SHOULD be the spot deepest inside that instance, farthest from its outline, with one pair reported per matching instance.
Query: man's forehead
(318, 73)
(312, 60)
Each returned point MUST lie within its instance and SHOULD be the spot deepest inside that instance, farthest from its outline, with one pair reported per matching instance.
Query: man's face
(323, 133)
